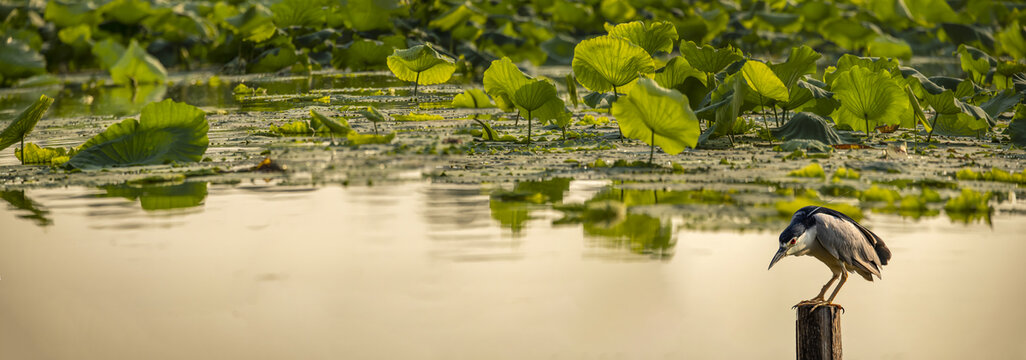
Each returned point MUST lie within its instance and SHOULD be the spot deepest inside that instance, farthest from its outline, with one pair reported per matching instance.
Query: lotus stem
(415, 84)
(932, 128)
(528, 127)
(651, 150)
(615, 98)
(775, 117)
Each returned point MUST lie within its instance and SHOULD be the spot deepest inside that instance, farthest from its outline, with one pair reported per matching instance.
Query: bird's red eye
(793, 240)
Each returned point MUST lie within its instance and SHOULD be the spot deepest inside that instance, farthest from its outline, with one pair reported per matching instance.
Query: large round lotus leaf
(534, 94)
(676, 72)
(763, 81)
(1017, 128)
(136, 66)
(868, 98)
(432, 67)
(801, 61)
(808, 126)
(651, 111)
(23, 124)
(18, 60)
(166, 131)
(473, 99)
(707, 58)
(605, 62)
(501, 80)
(653, 36)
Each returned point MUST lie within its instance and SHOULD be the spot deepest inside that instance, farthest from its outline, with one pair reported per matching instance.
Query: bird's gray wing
(844, 241)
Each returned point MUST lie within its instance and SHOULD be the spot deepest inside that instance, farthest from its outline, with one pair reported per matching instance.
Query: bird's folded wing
(844, 241)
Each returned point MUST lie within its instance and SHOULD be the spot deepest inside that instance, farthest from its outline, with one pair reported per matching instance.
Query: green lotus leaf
(929, 12)
(458, 15)
(676, 72)
(809, 126)
(255, 25)
(727, 115)
(362, 54)
(534, 94)
(18, 60)
(763, 81)
(136, 66)
(916, 115)
(802, 61)
(421, 64)
(367, 15)
(108, 51)
(166, 131)
(617, 10)
(298, 13)
(960, 124)
(72, 13)
(1004, 75)
(32, 154)
(848, 33)
(1011, 40)
(1017, 128)
(606, 63)
(975, 62)
(25, 122)
(804, 91)
(128, 12)
(571, 89)
(337, 127)
(919, 83)
(847, 61)
(501, 80)
(274, 59)
(956, 118)
(657, 116)
(473, 99)
(889, 46)
(356, 139)
(868, 97)
(654, 37)
(708, 59)
(79, 37)
(371, 113)
(1001, 102)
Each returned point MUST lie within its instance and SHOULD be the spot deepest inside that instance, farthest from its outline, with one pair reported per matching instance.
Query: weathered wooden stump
(818, 332)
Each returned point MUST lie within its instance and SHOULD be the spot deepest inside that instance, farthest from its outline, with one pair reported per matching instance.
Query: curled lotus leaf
(422, 64)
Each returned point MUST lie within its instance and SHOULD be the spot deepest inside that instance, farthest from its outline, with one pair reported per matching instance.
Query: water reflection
(34, 211)
(513, 208)
(161, 197)
(85, 97)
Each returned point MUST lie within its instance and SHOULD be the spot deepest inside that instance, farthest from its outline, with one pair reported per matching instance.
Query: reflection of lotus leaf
(180, 196)
(639, 233)
(809, 126)
(18, 200)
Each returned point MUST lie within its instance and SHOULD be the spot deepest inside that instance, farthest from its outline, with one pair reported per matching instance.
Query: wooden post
(818, 333)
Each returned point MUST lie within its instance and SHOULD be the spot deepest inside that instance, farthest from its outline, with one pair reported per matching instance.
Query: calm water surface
(434, 271)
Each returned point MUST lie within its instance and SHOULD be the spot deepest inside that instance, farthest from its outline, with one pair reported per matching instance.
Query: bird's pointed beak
(776, 257)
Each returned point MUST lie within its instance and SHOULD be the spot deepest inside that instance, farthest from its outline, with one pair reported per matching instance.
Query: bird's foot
(825, 303)
(815, 300)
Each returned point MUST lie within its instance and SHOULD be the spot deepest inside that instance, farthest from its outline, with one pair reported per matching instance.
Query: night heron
(836, 240)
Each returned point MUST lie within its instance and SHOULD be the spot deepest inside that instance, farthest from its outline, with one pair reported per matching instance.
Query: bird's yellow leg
(830, 301)
(819, 298)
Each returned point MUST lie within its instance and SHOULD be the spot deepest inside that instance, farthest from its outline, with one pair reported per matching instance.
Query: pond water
(424, 270)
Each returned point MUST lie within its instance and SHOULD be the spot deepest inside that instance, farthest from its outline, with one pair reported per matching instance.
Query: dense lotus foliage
(720, 62)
